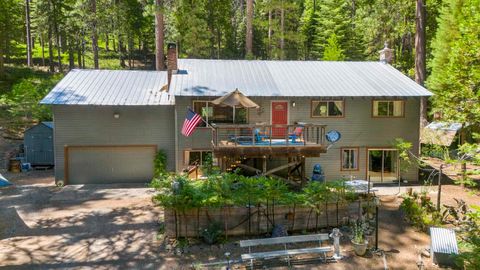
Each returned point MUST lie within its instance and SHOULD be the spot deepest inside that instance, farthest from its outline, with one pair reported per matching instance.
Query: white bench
(285, 252)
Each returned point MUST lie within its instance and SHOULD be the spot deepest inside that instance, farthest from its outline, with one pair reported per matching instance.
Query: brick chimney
(386, 54)
(172, 57)
(172, 66)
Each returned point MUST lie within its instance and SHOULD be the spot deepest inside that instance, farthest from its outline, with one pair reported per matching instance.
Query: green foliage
(404, 148)
(455, 77)
(160, 164)
(469, 257)
(212, 233)
(358, 232)
(333, 51)
(420, 211)
(23, 99)
(228, 189)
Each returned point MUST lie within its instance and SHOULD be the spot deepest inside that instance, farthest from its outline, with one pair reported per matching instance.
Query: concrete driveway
(79, 227)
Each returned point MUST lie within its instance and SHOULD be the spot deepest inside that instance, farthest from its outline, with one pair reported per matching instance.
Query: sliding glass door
(382, 165)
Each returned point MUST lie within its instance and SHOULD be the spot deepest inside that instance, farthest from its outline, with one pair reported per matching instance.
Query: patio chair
(260, 136)
(297, 133)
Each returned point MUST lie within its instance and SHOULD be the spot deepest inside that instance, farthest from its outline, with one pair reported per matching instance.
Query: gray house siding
(358, 128)
(96, 126)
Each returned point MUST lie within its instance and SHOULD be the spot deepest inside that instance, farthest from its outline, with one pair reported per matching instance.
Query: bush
(469, 257)
(420, 211)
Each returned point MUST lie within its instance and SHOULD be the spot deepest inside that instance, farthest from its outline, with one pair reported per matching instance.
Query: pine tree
(455, 76)
(333, 51)
(334, 18)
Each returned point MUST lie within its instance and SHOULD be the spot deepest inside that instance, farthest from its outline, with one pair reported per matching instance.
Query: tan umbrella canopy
(235, 99)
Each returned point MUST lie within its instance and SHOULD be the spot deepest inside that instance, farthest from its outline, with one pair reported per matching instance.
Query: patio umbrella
(235, 99)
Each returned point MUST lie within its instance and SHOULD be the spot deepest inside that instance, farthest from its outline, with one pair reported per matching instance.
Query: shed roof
(200, 77)
(48, 124)
(111, 87)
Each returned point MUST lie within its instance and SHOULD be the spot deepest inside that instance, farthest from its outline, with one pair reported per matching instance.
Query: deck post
(302, 159)
(264, 164)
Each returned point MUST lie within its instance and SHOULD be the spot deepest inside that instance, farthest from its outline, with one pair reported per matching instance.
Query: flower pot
(360, 248)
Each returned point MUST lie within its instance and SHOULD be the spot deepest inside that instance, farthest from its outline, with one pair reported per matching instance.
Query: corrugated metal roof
(443, 240)
(48, 124)
(199, 77)
(111, 87)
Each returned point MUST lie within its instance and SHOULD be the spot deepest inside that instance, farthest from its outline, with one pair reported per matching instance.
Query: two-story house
(109, 124)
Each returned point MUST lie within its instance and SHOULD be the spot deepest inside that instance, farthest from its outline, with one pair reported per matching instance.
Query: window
(388, 108)
(349, 158)
(197, 157)
(212, 113)
(327, 108)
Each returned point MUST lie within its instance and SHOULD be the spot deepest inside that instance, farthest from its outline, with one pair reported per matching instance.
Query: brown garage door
(109, 164)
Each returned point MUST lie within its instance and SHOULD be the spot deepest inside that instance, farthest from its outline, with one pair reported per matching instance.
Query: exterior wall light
(293, 104)
(116, 115)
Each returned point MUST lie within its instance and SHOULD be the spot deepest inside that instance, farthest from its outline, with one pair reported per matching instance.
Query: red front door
(279, 117)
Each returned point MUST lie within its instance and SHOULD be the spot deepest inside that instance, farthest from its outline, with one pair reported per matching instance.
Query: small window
(349, 159)
(197, 157)
(327, 108)
(388, 108)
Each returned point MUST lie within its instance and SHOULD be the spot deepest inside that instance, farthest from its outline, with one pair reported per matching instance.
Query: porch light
(293, 104)
(116, 115)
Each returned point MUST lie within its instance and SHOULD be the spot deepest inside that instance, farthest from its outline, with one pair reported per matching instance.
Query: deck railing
(244, 135)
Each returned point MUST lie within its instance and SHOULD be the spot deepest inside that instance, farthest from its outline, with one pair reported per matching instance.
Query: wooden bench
(285, 252)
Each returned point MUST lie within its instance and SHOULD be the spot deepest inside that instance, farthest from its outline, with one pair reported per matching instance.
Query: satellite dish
(333, 136)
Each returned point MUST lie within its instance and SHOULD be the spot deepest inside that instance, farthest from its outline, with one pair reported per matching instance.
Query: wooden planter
(259, 220)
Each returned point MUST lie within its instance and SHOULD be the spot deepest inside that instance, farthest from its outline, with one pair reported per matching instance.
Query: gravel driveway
(78, 227)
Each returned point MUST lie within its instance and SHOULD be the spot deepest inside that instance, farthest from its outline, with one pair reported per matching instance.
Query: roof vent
(386, 54)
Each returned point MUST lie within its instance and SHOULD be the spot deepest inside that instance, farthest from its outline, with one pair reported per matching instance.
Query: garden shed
(38, 142)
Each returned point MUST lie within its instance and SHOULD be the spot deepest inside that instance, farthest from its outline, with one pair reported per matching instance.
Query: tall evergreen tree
(455, 76)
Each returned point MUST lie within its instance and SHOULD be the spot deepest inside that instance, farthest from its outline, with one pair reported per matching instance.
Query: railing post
(270, 135)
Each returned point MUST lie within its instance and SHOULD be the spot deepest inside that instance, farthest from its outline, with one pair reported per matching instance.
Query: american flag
(190, 123)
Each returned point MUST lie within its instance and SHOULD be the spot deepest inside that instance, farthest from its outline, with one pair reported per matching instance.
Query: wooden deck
(255, 141)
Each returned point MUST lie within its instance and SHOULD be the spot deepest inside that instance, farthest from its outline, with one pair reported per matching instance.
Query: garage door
(109, 164)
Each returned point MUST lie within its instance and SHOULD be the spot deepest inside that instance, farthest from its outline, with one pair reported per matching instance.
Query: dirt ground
(116, 227)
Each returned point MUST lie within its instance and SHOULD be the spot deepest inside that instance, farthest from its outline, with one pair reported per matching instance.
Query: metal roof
(199, 77)
(111, 87)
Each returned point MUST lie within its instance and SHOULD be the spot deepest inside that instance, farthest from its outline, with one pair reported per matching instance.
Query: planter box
(236, 219)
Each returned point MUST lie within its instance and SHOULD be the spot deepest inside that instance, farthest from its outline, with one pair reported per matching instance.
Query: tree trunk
(107, 47)
(2, 65)
(121, 52)
(282, 32)
(42, 43)
(71, 58)
(269, 49)
(57, 38)
(50, 49)
(29, 36)
(159, 36)
(93, 7)
(249, 37)
(79, 55)
(420, 67)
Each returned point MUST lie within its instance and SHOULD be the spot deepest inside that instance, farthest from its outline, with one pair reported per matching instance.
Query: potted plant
(359, 242)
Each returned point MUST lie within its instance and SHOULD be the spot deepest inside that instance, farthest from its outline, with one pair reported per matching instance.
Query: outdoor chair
(296, 134)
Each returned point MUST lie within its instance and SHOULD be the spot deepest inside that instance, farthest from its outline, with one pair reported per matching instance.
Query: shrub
(420, 211)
